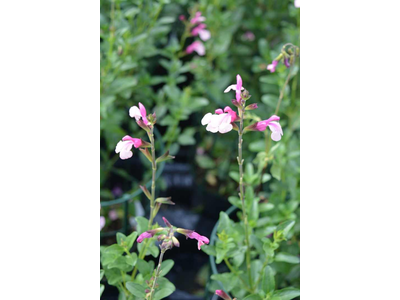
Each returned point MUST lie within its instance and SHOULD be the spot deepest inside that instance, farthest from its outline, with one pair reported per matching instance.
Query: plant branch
(241, 194)
(157, 274)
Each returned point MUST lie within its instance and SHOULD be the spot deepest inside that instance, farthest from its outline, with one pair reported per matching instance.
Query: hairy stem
(157, 274)
(241, 194)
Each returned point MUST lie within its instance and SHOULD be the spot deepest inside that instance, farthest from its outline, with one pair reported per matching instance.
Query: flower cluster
(166, 235)
(223, 121)
(124, 146)
(196, 27)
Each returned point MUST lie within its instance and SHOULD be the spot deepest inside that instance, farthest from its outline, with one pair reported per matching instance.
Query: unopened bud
(222, 294)
(251, 106)
(245, 95)
(166, 222)
(175, 241)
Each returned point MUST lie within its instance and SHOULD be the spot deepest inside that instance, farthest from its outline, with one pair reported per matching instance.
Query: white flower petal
(134, 112)
(276, 136)
(206, 119)
(231, 87)
(204, 34)
(125, 154)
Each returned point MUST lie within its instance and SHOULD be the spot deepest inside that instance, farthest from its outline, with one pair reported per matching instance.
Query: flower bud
(222, 294)
(251, 106)
(166, 222)
(175, 241)
(245, 95)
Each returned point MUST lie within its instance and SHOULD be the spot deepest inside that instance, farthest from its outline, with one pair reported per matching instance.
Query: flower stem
(153, 181)
(152, 201)
(241, 194)
(157, 274)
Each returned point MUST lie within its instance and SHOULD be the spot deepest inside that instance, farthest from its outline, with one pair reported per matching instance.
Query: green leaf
(276, 171)
(143, 267)
(101, 289)
(268, 280)
(234, 175)
(263, 207)
(142, 224)
(153, 250)
(136, 289)
(166, 266)
(287, 293)
(253, 297)
(114, 249)
(205, 162)
(163, 293)
(101, 274)
(288, 258)
(228, 280)
(209, 250)
(122, 264)
(285, 227)
(235, 201)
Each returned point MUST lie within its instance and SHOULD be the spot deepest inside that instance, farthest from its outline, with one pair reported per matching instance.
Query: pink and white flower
(124, 147)
(274, 126)
(138, 113)
(236, 87)
(272, 67)
(196, 46)
(229, 111)
(201, 32)
(198, 18)
(218, 122)
(297, 3)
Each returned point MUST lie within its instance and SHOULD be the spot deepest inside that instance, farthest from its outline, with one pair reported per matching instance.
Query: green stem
(153, 181)
(261, 273)
(241, 194)
(142, 253)
(157, 274)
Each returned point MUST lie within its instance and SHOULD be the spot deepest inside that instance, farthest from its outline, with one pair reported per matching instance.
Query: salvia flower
(201, 32)
(138, 113)
(274, 126)
(148, 234)
(124, 147)
(201, 240)
(222, 294)
(182, 18)
(198, 18)
(237, 87)
(217, 122)
(272, 67)
(229, 111)
(196, 46)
